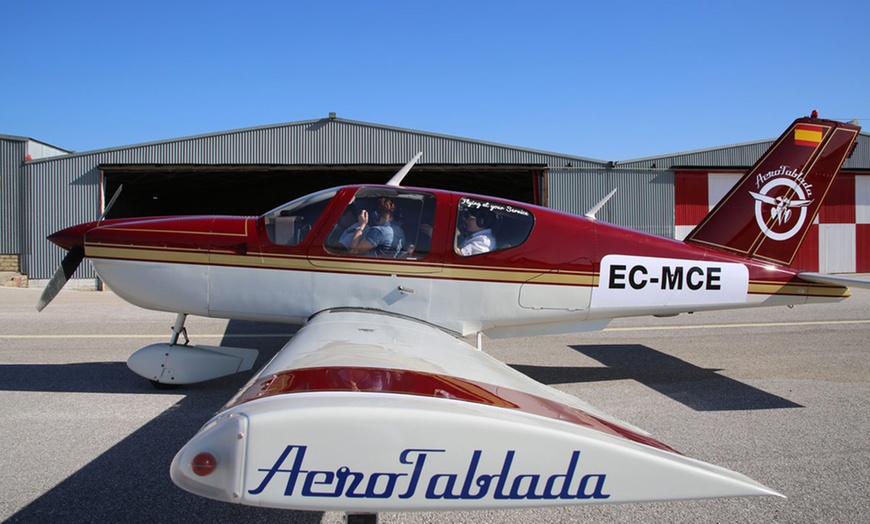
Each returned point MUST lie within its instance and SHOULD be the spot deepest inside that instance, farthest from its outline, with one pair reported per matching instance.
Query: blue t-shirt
(387, 240)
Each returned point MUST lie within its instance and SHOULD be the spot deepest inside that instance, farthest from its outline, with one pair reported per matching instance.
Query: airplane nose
(73, 240)
(71, 236)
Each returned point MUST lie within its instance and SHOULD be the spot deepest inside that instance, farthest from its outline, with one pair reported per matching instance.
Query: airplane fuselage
(569, 274)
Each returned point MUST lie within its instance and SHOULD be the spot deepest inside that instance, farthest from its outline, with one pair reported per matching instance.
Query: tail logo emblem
(781, 203)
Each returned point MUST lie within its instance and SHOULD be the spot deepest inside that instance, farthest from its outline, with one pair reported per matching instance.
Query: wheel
(161, 385)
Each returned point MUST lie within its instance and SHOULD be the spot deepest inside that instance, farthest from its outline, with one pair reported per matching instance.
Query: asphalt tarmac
(781, 395)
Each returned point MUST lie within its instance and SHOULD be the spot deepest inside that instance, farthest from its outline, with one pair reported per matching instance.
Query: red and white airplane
(377, 403)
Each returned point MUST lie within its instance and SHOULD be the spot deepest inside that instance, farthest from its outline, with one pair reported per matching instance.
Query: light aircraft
(378, 402)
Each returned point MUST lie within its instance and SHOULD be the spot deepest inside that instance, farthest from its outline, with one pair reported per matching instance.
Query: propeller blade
(111, 202)
(68, 266)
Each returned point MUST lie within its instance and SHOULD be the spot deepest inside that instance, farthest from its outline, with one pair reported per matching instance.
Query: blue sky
(609, 80)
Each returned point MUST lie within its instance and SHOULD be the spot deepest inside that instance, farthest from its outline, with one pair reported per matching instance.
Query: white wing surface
(364, 411)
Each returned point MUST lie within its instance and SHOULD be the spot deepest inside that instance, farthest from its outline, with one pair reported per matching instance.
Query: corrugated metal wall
(37, 150)
(862, 199)
(55, 199)
(740, 155)
(322, 142)
(11, 156)
(837, 248)
(13, 152)
(860, 158)
(644, 199)
(862, 223)
(743, 155)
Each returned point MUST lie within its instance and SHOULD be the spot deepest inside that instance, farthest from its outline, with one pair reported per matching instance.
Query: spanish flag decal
(808, 135)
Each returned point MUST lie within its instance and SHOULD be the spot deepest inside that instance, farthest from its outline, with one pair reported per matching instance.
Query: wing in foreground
(364, 411)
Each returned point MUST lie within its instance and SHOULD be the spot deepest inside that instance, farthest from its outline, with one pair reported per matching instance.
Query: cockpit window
(483, 226)
(289, 224)
(386, 223)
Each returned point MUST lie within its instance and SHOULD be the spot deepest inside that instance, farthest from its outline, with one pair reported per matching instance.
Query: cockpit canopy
(392, 222)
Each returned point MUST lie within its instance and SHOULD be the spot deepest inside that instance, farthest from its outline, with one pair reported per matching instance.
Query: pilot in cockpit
(384, 237)
(344, 230)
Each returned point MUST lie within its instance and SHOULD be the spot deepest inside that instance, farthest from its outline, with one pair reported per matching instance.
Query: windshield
(288, 225)
(385, 223)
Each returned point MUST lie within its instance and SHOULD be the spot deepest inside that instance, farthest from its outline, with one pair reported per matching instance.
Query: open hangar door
(252, 190)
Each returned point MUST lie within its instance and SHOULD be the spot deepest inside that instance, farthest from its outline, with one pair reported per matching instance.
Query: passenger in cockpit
(477, 226)
(384, 238)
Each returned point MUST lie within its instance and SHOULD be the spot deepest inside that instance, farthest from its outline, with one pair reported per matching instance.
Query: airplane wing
(364, 410)
(822, 278)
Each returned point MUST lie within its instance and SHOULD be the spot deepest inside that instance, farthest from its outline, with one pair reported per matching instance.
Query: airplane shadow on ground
(697, 388)
(130, 481)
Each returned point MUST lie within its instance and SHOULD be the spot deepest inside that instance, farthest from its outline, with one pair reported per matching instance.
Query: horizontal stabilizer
(822, 278)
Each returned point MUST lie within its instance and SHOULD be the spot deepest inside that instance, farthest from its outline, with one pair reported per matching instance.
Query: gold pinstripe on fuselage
(365, 265)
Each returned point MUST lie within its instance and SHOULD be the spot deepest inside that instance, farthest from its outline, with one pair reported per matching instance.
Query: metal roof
(54, 150)
(741, 155)
(324, 141)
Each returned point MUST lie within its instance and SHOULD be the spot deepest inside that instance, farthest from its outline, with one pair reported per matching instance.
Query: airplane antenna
(397, 178)
(597, 207)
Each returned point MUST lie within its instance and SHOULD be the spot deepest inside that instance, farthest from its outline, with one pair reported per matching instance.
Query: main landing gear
(178, 330)
(361, 518)
(173, 364)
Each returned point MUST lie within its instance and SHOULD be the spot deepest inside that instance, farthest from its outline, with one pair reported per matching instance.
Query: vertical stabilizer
(767, 214)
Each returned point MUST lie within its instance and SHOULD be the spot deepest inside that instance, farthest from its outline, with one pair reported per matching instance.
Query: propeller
(72, 239)
(68, 266)
(111, 202)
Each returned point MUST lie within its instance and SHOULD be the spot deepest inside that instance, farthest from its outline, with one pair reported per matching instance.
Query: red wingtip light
(204, 464)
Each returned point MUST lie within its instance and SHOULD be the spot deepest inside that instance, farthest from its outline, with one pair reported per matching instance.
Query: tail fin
(767, 214)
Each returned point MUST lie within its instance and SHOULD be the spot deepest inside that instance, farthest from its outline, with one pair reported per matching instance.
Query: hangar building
(249, 171)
